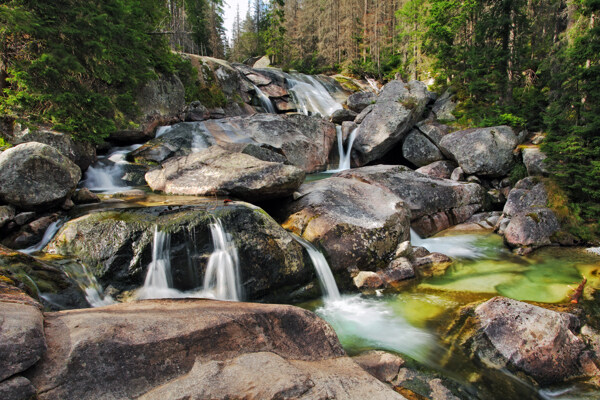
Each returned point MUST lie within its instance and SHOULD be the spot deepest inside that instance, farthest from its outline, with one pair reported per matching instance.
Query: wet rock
(482, 151)
(21, 338)
(284, 106)
(82, 153)
(444, 106)
(7, 213)
(36, 176)
(398, 108)
(85, 196)
(30, 234)
(367, 280)
(382, 365)
(533, 158)
(354, 223)
(419, 150)
(305, 141)
(216, 171)
(357, 102)
(399, 270)
(117, 246)
(435, 204)
(160, 102)
(263, 351)
(24, 217)
(258, 78)
(519, 336)
(17, 388)
(432, 264)
(342, 115)
(274, 90)
(360, 117)
(404, 249)
(438, 169)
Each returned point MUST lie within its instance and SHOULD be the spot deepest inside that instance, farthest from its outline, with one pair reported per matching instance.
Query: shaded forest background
(531, 64)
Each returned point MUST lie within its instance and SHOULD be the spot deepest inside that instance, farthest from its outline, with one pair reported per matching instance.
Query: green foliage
(82, 62)
(573, 117)
(518, 172)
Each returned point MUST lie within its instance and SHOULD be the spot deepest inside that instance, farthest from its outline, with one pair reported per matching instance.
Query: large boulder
(80, 152)
(419, 150)
(435, 204)
(521, 337)
(197, 349)
(360, 100)
(117, 246)
(216, 171)
(22, 340)
(354, 223)
(160, 102)
(527, 223)
(304, 141)
(36, 176)
(482, 151)
(399, 106)
(534, 160)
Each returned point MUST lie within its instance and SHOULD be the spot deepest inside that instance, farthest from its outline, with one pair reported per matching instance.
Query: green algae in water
(547, 276)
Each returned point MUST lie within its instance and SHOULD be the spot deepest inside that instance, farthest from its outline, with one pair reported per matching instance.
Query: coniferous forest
(530, 64)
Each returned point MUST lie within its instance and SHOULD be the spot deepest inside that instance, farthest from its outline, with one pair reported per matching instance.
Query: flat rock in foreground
(197, 349)
(217, 171)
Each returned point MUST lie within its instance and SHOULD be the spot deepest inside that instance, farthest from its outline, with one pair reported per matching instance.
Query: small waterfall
(158, 283)
(264, 100)
(222, 277)
(373, 84)
(326, 279)
(106, 174)
(87, 282)
(48, 235)
(345, 154)
(311, 96)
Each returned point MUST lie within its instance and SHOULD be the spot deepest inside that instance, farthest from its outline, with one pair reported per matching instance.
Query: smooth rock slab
(21, 338)
(482, 151)
(537, 341)
(194, 349)
(216, 171)
(435, 204)
(36, 176)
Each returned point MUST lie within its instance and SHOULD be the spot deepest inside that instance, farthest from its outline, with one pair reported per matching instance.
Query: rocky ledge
(194, 349)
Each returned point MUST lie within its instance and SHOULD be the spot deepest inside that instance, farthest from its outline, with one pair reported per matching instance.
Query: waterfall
(48, 235)
(365, 321)
(222, 277)
(311, 96)
(158, 283)
(264, 100)
(88, 283)
(345, 154)
(326, 279)
(373, 84)
(106, 174)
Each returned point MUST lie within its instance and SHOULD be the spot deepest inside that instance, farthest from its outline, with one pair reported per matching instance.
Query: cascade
(264, 100)
(311, 96)
(345, 154)
(87, 282)
(48, 235)
(462, 246)
(326, 279)
(222, 278)
(106, 174)
(373, 84)
(366, 321)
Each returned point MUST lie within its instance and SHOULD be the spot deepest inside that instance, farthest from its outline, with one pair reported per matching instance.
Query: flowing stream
(311, 96)
(106, 175)
(265, 102)
(48, 235)
(222, 277)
